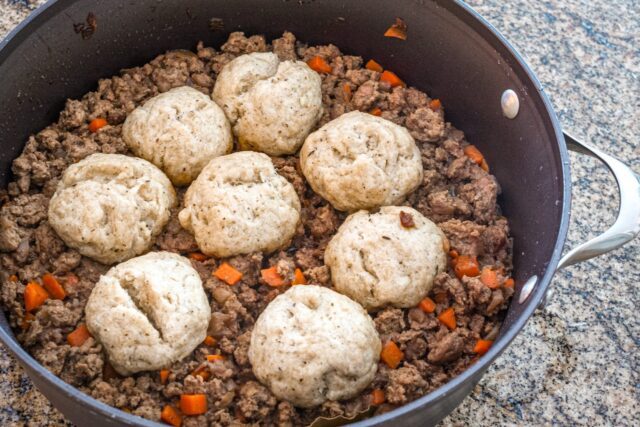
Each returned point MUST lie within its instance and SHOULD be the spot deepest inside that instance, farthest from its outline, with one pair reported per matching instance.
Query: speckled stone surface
(577, 360)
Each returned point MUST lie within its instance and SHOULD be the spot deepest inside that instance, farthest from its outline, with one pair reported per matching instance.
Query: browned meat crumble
(456, 193)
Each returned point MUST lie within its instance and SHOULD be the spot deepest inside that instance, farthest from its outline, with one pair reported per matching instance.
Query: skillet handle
(627, 225)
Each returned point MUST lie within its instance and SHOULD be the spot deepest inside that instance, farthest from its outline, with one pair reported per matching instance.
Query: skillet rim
(475, 372)
(472, 374)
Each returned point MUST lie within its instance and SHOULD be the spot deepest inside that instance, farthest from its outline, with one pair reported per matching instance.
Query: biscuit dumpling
(377, 261)
(360, 161)
(312, 344)
(239, 204)
(148, 312)
(110, 207)
(179, 131)
(272, 105)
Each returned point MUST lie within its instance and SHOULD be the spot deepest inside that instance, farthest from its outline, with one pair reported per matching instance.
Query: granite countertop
(576, 362)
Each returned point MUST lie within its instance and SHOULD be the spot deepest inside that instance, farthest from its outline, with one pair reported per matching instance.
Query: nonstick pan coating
(451, 53)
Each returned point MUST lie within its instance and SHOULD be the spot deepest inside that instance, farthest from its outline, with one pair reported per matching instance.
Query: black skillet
(451, 53)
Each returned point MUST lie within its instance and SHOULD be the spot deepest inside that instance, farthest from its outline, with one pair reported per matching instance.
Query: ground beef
(175, 238)
(456, 193)
(256, 401)
(285, 47)
(389, 321)
(324, 221)
(446, 349)
(405, 384)
(425, 124)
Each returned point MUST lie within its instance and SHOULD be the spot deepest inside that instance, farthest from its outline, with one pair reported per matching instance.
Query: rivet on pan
(527, 288)
(510, 104)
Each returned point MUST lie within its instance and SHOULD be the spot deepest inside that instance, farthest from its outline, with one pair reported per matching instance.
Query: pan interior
(448, 54)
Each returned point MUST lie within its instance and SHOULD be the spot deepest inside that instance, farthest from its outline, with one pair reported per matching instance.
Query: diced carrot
(298, 278)
(26, 321)
(484, 165)
(391, 78)
(427, 305)
(209, 340)
(79, 336)
(377, 397)
(509, 283)
(193, 404)
(490, 278)
(373, 66)
(271, 277)
(52, 286)
(202, 373)
(97, 124)
(448, 318)
(482, 346)
(453, 253)
(346, 92)
(34, 296)
(13, 278)
(375, 112)
(214, 357)
(395, 33)
(319, 65)
(473, 154)
(435, 104)
(391, 355)
(466, 266)
(198, 256)
(164, 376)
(170, 416)
(228, 274)
(397, 30)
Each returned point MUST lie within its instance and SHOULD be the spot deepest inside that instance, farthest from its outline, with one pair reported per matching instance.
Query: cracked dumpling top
(360, 161)
(239, 204)
(312, 344)
(148, 312)
(179, 131)
(272, 105)
(386, 258)
(110, 207)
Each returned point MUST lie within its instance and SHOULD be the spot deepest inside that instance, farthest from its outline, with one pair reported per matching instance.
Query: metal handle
(627, 225)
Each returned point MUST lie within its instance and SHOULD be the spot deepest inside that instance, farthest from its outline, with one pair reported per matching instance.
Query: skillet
(451, 53)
